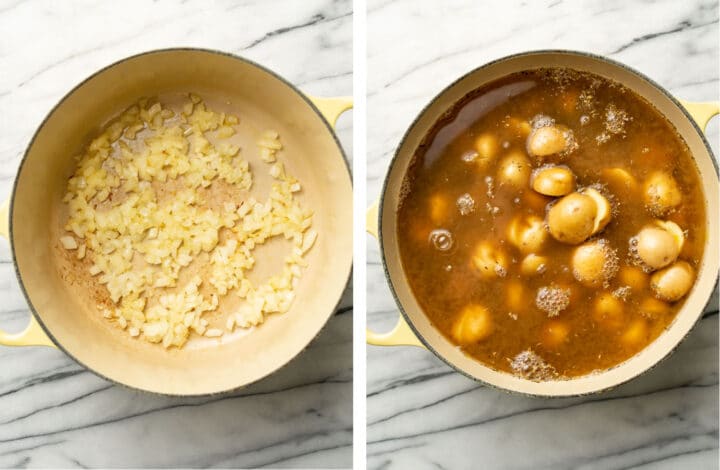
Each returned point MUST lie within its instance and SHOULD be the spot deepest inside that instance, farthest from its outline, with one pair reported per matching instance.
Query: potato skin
(662, 193)
(439, 208)
(656, 247)
(609, 311)
(553, 181)
(487, 147)
(545, 141)
(472, 325)
(592, 264)
(633, 277)
(514, 170)
(533, 264)
(555, 333)
(636, 333)
(653, 307)
(528, 234)
(489, 261)
(674, 282)
(572, 219)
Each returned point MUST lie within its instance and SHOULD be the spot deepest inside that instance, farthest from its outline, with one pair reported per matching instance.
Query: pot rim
(34, 312)
(396, 155)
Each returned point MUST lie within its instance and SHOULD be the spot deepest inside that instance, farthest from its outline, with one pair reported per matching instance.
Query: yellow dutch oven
(414, 328)
(63, 315)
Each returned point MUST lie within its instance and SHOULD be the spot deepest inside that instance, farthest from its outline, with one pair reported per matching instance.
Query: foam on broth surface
(467, 185)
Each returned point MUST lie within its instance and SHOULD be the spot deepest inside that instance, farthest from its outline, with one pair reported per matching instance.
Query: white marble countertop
(53, 413)
(421, 414)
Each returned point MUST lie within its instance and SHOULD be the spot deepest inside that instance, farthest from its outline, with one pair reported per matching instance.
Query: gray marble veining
(53, 413)
(421, 414)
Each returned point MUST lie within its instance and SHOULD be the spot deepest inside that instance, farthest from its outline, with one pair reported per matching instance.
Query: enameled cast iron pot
(414, 327)
(64, 317)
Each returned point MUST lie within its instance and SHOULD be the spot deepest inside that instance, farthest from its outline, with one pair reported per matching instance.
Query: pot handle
(332, 108)
(701, 112)
(401, 334)
(33, 334)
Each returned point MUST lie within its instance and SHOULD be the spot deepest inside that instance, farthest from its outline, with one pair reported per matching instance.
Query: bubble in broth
(465, 204)
(552, 300)
(441, 239)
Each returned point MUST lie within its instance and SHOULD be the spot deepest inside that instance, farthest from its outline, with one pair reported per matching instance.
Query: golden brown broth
(445, 282)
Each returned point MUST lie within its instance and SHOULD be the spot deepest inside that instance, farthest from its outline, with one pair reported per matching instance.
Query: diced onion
(139, 243)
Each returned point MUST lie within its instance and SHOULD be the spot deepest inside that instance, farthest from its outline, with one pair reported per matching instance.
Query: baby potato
(608, 311)
(439, 208)
(572, 219)
(515, 296)
(533, 264)
(554, 333)
(547, 140)
(569, 100)
(514, 170)
(662, 193)
(473, 324)
(528, 234)
(673, 282)
(521, 127)
(636, 333)
(553, 180)
(619, 180)
(489, 261)
(594, 263)
(633, 277)
(656, 247)
(486, 145)
(604, 211)
(535, 201)
(653, 307)
(673, 229)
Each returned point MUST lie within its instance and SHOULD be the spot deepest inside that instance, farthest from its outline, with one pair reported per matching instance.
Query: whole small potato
(514, 170)
(657, 247)
(555, 333)
(535, 201)
(553, 180)
(533, 264)
(662, 193)
(594, 263)
(609, 311)
(672, 283)
(547, 140)
(515, 296)
(633, 277)
(520, 127)
(439, 208)
(486, 145)
(652, 307)
(636, 333)
(489, 261)
(572, 219)
(473, 324)
(620, 180)
(528, 234)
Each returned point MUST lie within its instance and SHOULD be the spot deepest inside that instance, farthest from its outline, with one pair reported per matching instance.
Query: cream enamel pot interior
(62, 314)
(414, 327)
